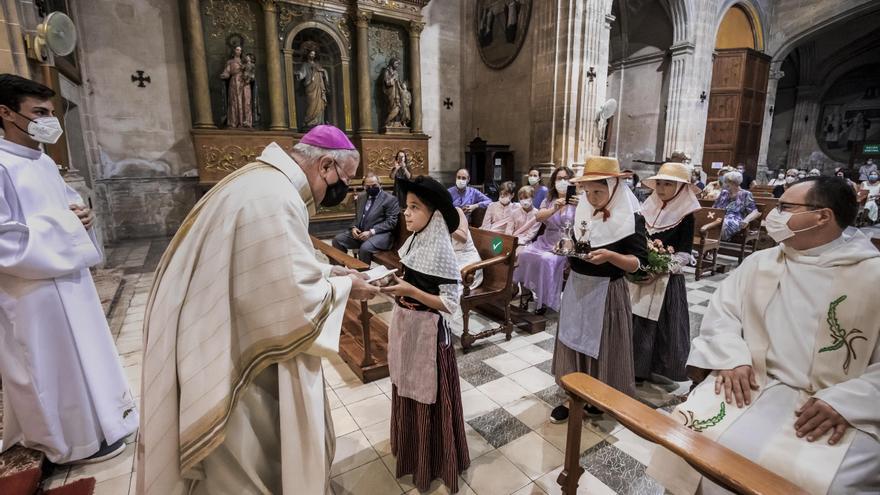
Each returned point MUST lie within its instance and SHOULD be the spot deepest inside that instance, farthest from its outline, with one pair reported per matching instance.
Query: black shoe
(593, 411)
(541, 311)
(559, 415)
(105, 452)
(640, 381)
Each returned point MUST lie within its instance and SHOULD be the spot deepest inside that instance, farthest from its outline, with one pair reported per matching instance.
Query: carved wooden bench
(363, 344)
(718, 463)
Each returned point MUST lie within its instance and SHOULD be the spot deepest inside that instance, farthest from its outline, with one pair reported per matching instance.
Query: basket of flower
(660, 262)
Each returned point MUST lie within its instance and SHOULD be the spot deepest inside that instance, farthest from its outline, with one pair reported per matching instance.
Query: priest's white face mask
(777, 223)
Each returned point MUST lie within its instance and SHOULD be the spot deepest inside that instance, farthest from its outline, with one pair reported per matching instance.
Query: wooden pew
(876, 242)
(718, 463)
(707, 238)
(363, 344)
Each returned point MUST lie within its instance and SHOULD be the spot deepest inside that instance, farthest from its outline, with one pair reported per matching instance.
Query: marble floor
(507, 395)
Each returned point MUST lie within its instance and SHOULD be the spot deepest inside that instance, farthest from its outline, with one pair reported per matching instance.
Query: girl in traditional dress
(661, 339)
(595, 321)
(427, 423)
(538, 269)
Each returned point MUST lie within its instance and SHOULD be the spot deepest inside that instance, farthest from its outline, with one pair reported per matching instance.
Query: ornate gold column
(291, 97)
(273, 66)
(363, 67)
(415, 69)
(198, 68)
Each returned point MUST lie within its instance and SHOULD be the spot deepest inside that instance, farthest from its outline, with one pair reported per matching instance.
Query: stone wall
(497, 102)
(441, 50)
(137, 139)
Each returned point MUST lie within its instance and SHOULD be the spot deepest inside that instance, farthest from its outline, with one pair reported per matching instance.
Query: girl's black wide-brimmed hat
(432, 192)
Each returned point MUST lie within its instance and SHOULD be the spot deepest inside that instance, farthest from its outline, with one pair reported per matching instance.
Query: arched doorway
(737, 93)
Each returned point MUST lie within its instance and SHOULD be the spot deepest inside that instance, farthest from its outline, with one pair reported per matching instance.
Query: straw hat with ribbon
(663, 215)
(615, 219)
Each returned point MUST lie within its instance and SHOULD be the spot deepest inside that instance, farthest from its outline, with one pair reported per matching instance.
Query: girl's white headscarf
(430, 250)
(611, 223)
(660, 216)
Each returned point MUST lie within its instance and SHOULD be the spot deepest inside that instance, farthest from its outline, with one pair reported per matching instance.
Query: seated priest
(466, 197)
(789, 353)
(374, 222)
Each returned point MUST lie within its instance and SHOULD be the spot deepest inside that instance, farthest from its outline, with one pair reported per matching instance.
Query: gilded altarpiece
(301, 63)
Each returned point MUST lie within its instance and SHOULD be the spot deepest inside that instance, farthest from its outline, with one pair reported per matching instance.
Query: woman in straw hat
(661, 328)
(595, 320)
(427, 423)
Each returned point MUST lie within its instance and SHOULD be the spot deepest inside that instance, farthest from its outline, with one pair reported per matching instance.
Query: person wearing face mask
(536, 182)
(747, 178)
(498, 214)
(871, 188)
(466, 197)
(538, 269)
(738, 205)
(866, 169)
(787, 360)
(842, 173)
(52, 324)
(523, 224)
(791, 176)
(779, 180)
(714, 188)
(240, 313)
(376, 214)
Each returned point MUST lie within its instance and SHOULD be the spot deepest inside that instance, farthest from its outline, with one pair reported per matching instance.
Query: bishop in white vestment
(240, 313)
(64, 390)
(806, 322)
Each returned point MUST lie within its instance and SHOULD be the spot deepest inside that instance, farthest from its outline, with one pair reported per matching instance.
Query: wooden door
(736, 108)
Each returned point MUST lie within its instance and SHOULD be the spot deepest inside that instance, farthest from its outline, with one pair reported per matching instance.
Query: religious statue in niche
(398, 98)
(240, 76)
(315, 85)
(501, 27)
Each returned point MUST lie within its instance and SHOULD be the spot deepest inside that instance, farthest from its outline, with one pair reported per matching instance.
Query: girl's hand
(599, 256)
(398, 288)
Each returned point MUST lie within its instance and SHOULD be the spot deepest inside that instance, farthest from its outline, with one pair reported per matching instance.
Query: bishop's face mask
(46, 130)
(336, 192)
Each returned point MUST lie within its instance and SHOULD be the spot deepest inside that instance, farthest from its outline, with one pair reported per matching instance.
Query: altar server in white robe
(238, 318)
(791, 342)
(64, 390)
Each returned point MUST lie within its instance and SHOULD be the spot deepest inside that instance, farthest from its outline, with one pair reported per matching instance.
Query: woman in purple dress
(538, 269)
(738, 204)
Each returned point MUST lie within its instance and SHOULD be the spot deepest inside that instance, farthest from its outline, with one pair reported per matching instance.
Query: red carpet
(21, 483)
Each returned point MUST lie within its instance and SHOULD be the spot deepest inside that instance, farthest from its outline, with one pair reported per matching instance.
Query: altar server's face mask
(336, 192)
(777, 222)
(45, 129)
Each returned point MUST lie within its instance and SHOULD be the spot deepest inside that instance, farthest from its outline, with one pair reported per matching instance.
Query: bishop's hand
(816, 417)
(360, 289)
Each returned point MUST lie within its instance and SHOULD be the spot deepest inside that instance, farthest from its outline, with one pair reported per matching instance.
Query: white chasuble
(64, 389)
(806, 322)
(240, 312)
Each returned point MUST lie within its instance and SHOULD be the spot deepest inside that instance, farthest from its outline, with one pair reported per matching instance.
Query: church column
(415, 69)
(363, 65)
(198, 68)
(680, 100)
(581, 76)
(803, 140)
(273, 66)
(772, 83)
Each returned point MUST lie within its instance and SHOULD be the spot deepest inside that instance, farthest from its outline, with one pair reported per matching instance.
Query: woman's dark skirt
(614, 364)
(429, 440)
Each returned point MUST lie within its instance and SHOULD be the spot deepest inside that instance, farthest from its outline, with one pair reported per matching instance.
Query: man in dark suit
(376, 220)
